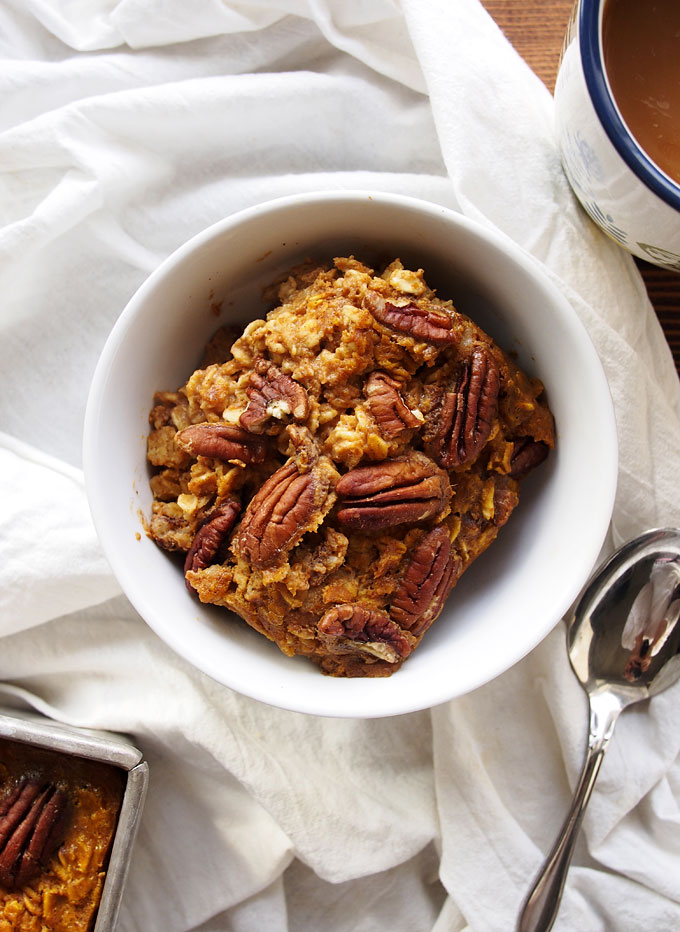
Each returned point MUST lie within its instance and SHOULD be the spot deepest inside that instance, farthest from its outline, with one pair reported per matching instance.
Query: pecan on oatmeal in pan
(331, 473)
(58, 816)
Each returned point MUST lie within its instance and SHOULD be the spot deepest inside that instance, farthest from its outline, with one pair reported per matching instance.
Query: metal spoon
(623, 642)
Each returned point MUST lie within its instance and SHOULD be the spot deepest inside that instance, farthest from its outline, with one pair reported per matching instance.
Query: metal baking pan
(108, 748)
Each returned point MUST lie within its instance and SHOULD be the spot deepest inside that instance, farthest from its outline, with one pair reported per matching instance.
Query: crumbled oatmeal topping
(330, 473)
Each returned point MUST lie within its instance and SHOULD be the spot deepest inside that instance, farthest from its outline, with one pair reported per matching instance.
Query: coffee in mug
(641, 46)
(617, 121)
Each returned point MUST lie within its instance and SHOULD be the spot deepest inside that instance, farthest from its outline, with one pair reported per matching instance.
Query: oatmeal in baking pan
(330, 473)
(58, 816)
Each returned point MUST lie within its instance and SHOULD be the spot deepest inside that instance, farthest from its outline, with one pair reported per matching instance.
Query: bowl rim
(435, 694)
(592, 57)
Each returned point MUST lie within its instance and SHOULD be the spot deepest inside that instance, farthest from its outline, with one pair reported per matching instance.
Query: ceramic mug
(623, 190)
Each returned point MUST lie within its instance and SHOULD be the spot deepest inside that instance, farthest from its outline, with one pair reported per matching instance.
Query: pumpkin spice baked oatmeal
(58, 816)
(330, 473)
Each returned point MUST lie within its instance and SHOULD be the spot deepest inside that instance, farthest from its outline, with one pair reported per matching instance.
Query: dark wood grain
(536, 29)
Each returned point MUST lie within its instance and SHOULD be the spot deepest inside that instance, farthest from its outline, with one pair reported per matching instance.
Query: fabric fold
(127, 128)
(51, 560)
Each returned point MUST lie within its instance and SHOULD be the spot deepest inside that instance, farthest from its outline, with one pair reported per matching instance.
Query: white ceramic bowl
(512, 596)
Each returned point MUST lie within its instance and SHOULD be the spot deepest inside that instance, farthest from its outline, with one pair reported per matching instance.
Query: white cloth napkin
(125, 127)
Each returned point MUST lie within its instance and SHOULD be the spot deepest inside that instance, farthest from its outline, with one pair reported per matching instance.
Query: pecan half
(466, 416)
(426, 583)
(387, 406)
(32, 819)
(350, 627)
(402, 490)
(211, 535)
(425, 324)
(272, 394)
(526, 455)
(287, 506)
(221, 441)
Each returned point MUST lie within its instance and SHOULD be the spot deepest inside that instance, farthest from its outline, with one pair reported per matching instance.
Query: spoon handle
(542, 904)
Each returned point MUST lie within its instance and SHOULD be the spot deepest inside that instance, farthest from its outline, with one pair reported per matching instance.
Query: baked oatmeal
(58, 816)
(330, 473)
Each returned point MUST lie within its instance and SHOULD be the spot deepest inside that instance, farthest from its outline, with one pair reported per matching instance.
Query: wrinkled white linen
(126, 127)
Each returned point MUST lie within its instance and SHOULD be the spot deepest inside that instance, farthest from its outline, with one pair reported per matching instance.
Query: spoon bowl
(623, 639)
(623, 635)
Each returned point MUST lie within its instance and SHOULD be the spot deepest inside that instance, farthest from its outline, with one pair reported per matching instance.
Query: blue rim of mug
(593, 69)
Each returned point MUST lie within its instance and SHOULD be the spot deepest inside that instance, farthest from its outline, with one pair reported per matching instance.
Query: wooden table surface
(536, 29)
